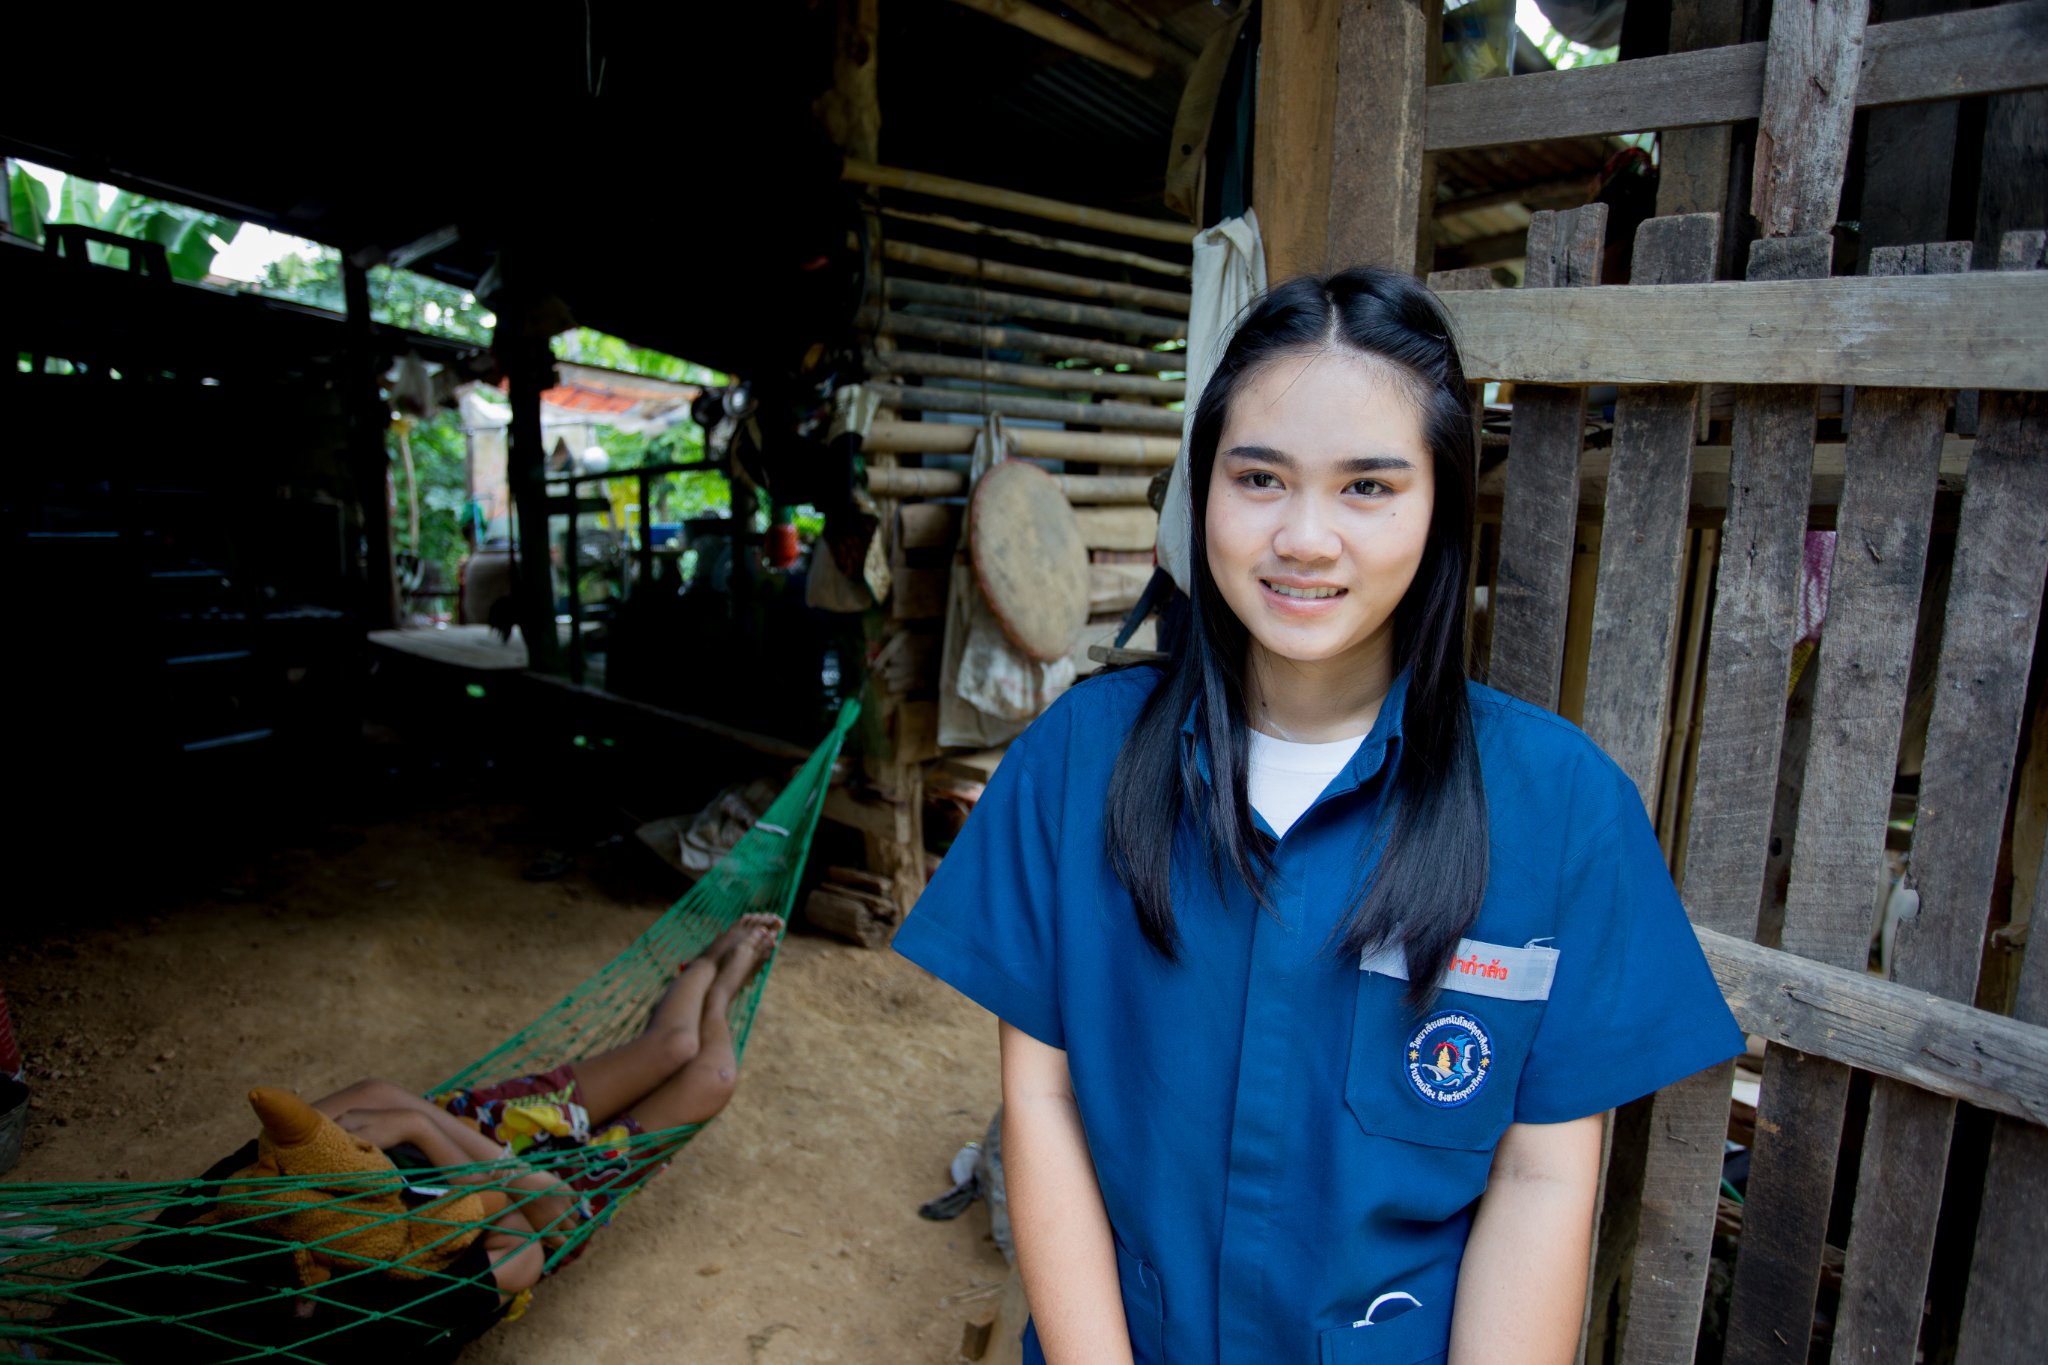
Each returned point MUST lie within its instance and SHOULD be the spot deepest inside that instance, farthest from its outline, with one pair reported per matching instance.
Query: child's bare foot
(716, 950)
(746, 956)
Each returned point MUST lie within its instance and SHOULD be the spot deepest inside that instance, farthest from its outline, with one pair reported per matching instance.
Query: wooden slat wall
(1789, 330)
(1859, 705)
(1981, 686)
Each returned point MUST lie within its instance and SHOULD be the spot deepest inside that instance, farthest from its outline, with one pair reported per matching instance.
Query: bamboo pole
(1128, 416)
(1031, 277)
(998, 304)
(1055, 344)
(1045, 24)
(1104, 489)
(1014, 201)
(957, 438)
(1086, 250)
(930, 365)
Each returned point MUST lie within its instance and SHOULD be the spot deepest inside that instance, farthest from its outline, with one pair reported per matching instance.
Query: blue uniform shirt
(1279, 1138)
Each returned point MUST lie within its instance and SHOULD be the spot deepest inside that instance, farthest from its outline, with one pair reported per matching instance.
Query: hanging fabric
(1230, 272)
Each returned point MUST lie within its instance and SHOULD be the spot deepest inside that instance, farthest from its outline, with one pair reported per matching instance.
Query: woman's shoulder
(1104, 703)
(1525, 750)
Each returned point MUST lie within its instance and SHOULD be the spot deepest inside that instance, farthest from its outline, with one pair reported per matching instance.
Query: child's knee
(679, 1047)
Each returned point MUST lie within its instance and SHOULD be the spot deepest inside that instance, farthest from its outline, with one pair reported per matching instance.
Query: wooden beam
(1053, 345)
(997, 304)
(1976, 331)
(1863, 1021)
(932, 365)
(1014, 201)
(1119, 416)
(952, 483)
(1032, 277)
(1381, 180)
(1292, 130)
(957, 438)
(1085, 250)
(1908, 61)
(1041, 23)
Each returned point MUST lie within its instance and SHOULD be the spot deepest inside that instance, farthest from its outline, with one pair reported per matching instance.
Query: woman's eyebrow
(1357, 464)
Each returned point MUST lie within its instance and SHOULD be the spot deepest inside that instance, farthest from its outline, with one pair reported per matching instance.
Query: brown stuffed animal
(336, 1227)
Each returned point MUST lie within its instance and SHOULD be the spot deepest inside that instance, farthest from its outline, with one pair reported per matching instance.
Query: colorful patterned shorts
(538, 1115)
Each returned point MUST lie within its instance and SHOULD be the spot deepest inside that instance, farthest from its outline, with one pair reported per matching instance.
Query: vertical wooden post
(1540, 505)
(368, 418)
(1291, 138)
(529, 366)
(1382, 184)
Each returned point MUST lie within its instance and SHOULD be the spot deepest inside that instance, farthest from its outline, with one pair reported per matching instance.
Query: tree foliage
(187, 235)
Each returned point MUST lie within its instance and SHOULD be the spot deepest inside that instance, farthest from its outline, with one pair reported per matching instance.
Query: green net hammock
(185, 1271)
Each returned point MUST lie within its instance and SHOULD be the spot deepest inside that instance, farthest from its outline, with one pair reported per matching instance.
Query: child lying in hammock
(681, 1070)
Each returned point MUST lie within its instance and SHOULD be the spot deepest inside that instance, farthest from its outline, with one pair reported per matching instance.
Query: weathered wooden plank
(1937, 332)
(1811, 68)
(1908, 61)
(1749, 649)
(2008, 1275)
(1297, 100)
(1382, 183)
(1993, 612)
(1123, 416)
(1634, 616)
(1117, 528)
(1649, 487)
(1629, 657)
(1539, 518)
(1845, 800)
(1858, 1020)
(1748, 661)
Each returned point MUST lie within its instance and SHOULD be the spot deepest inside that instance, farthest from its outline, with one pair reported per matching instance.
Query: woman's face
(1319, 506)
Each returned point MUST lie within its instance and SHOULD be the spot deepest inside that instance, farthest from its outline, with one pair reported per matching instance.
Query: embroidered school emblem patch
(1448, 1058)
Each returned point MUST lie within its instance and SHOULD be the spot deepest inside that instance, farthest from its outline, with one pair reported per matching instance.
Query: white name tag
(1480, 969)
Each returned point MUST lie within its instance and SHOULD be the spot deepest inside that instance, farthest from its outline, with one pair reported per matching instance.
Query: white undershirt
(1285, 778)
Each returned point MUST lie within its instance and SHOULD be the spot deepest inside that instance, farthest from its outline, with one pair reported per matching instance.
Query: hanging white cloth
(989, 690)
(1230, 272)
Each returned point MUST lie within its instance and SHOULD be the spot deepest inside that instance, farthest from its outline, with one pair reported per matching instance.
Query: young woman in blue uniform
(1317, 964)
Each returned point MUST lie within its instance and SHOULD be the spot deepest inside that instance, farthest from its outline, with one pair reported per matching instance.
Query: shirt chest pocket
(1446, 1077)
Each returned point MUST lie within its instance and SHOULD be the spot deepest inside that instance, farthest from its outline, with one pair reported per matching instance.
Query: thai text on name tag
(1480, 969)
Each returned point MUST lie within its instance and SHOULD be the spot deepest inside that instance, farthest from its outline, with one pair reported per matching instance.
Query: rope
(187, 1270)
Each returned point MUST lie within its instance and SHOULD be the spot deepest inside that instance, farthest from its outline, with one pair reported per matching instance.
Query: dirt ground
(402, 948)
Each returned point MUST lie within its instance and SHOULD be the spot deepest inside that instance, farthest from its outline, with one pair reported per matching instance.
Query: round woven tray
(1029, 558)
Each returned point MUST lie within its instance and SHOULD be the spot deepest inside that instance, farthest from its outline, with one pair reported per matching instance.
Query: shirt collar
(1374, 750)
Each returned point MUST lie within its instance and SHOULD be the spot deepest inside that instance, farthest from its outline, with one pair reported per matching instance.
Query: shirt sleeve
(1634, 1005)
(985, 923)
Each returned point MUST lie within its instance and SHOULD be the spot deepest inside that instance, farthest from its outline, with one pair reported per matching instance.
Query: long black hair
(1431, 874)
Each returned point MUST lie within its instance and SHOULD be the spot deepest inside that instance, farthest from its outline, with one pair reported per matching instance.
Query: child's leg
(702, 1087)
(611, 1083)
